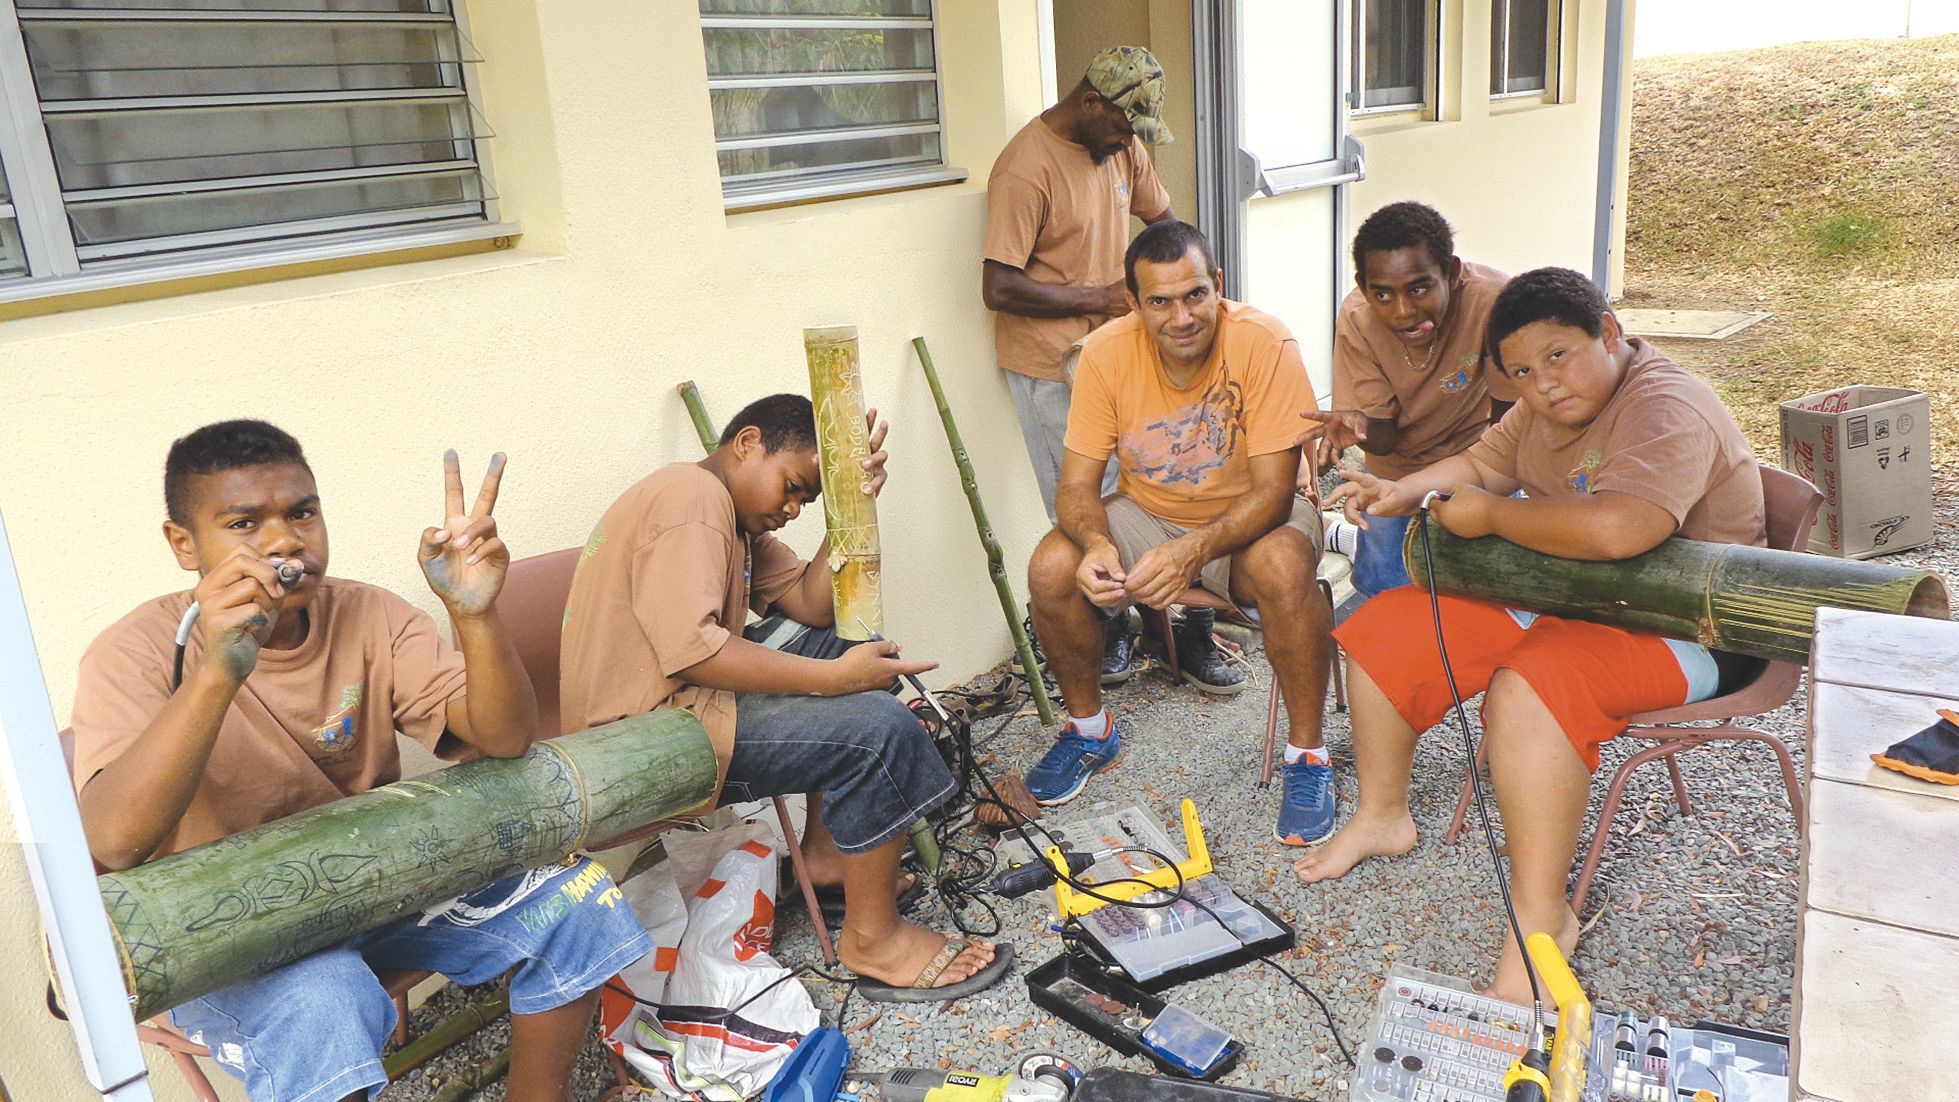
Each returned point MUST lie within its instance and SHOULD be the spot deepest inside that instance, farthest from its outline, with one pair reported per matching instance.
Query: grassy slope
(1818, 181)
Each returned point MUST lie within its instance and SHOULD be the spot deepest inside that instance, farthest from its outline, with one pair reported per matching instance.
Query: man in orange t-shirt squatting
(1198, 398)
(1617, 449)
(288, 697)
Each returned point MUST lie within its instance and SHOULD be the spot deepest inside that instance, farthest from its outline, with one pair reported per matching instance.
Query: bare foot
(1356, 842)
(1512, 983)
(898, 956)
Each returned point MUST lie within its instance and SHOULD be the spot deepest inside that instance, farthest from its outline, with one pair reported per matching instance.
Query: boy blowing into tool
(1616, 449)
(288, 696)
(657, 618)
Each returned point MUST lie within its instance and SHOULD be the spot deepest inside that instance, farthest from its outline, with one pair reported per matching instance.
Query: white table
(1877, 953)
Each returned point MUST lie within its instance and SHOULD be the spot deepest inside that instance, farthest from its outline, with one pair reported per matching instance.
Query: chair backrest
(533, 608)
(1791, 505)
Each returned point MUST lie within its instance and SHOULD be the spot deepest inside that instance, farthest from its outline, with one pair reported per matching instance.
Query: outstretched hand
(464, 560)
(1329, 432)
(1361, 495)
(872, 667)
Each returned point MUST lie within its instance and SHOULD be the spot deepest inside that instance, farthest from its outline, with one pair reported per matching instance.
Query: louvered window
(819, 98)
(144, 132)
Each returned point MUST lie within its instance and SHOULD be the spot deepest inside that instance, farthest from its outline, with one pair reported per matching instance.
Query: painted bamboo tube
(1747, 600)
(697, 412)
(836, 389)
(996, 559)
(199, 920)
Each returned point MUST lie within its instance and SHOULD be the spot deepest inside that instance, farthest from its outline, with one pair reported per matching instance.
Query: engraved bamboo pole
(208, 917)
(1748, 600)
(996, 564)
(836, 389)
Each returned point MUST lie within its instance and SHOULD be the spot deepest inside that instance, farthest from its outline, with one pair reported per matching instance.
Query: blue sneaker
(1066, 767)
(1306, 809)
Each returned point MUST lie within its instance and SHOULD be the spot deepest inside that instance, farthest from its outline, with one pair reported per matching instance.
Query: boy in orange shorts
(1616, 449)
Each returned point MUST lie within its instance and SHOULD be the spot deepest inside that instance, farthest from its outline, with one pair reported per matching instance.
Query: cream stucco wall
(1083, 28)
(1515, 177)
(563, 351)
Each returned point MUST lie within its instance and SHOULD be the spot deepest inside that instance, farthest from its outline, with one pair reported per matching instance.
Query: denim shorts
(1378, 566)
(866, 753)
(312, 1031)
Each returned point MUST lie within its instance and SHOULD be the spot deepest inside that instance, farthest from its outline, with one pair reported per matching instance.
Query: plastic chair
(1790, 505)
(533, 608)
(184, 1052)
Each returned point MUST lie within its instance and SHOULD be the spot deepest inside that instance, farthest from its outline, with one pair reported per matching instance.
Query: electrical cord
(1475, 776)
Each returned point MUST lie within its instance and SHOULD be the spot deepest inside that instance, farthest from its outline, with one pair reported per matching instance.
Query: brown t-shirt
(1440, 410)
(1185, 452)
(665, 580)
(309, 725)
(1662, 437)
(1054, 213)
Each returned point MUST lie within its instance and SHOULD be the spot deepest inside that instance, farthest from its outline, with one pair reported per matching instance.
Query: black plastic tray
(1058, 986)
(1245, 953)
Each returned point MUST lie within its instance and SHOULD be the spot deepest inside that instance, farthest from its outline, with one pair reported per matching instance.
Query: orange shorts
(1591, 677)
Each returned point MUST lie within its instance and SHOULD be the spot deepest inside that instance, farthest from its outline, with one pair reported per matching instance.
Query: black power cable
(1475, 775)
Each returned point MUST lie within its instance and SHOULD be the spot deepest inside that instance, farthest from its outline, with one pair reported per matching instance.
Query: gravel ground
(1693, 917)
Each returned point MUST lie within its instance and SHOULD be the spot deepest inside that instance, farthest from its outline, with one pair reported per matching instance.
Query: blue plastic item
(814, 1071)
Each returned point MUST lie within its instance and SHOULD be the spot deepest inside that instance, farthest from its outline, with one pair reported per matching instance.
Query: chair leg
(401, 1019)
(194, 1077)
(1162, 619)
(803, 882)
(1791, 782)
(1582, 887)
(1464, 797)
(1271, 731)
(1339, 676)
(1679, 786)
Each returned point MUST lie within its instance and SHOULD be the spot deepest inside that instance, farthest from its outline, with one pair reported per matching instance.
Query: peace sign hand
(463, 560)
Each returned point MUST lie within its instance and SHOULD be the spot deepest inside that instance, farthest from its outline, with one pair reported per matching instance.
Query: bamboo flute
(996, 565)
(1755, 601)
(836, 389)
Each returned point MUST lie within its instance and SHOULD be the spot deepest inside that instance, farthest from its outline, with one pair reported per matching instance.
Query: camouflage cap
(1130, 78)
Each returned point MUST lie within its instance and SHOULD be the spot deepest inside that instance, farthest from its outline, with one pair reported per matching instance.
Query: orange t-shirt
(665, 580)
(309, 726)
(1054, 213)
(1440, 409)
(1663, 437)
(1185, 452)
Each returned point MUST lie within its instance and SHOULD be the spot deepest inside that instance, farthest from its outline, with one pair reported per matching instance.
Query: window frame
(1500, 52)
(756, 194)
(1428, 105)
(54, 258)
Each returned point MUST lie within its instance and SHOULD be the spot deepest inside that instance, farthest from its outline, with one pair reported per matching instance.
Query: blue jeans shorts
(312, 1030)
(866, 753)
(1377, 560)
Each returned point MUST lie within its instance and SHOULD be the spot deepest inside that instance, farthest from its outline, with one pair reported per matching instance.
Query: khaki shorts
(1135, 530)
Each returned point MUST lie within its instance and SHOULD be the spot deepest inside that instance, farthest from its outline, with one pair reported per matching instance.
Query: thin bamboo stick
(698, 413)
(445, 1035)
(836, 388)
(996, 564)
(1747, 600)
(475, 1079)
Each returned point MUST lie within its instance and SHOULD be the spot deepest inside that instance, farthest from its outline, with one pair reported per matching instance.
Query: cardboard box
(1868, 448)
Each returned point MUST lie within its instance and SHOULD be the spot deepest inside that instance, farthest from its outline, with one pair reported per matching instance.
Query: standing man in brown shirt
(1411, 383)
(1057, 221)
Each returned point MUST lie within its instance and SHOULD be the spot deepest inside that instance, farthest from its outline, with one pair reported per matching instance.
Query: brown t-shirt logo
(336, 735)
(1585, 473)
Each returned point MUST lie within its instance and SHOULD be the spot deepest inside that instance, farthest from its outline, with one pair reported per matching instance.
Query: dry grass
(1817, 181)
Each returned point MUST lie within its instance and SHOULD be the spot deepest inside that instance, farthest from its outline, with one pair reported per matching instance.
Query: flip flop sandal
(830, 900)
(921, 989)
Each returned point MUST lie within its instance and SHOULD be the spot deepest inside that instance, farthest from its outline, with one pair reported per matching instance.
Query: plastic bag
(710, 908)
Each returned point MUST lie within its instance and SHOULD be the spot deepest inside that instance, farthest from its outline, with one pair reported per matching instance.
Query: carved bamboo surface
(1748, 600)
(836, 388)
(208, 917)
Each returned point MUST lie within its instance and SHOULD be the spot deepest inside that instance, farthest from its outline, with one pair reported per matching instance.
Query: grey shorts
(875, 765)
(1136, 530)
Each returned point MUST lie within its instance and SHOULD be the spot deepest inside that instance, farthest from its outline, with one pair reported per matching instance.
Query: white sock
(1343, 538)
(1317, 755)
(1095, 726)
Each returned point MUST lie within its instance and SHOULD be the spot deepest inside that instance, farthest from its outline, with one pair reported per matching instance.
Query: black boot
(1198, 656)
(1118, 650)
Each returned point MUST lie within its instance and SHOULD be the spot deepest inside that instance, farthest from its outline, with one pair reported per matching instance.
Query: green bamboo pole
(208, 917)
(922, 841)
(1747, 600)
(475, 1079)
(698, 413)
(445, 1035)
(996, 564)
